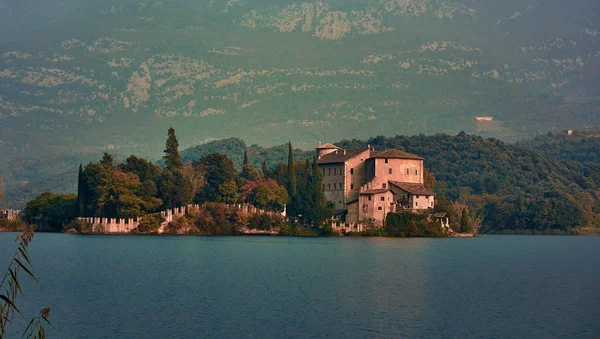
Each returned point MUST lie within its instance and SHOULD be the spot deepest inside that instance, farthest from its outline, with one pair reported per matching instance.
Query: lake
(495, 286)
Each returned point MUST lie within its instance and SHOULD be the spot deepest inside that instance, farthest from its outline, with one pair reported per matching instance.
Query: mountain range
(91, 75)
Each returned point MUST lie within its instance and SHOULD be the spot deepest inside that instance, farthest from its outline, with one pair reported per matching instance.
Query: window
(369, 198)
(389, 171)
(379, 208)
(341, 186)
(351, 186)
(407, 171)
(329, 187)
(417, 203)
(329, 171)
(416, 171)
(334, 171)
(382, 198)
(323, 187)
(334, 186)
(352, 171)
(386, 160)
(383, 185)
(416, 196)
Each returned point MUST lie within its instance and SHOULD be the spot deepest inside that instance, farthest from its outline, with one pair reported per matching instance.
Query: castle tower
(325, 149)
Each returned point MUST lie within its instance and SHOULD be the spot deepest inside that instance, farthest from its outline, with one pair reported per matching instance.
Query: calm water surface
(274, 287)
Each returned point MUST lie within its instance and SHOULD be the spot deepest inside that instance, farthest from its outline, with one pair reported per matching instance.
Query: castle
(365, 184)
(9, 214)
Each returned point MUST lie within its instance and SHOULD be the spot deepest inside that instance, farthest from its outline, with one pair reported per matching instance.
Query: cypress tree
(264, 168)
(172, 159)
(291, 171)
(320, 202)
(245, 157)
(291, 183)
(80, 193)
(464, 221)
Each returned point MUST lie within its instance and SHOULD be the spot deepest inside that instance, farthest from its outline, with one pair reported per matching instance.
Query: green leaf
(26, 270)
(10, 303)
(25, 255)
(14, 276)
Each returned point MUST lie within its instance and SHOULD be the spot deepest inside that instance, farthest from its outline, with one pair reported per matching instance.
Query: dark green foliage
(291, 182)
(149, 224)
(174, 189)
(80, 192)
(144, 169)
(411, 225)
(217, 219)
(172, 159)
(265, 171)
(218, 170)
(52, 210)
(12, 225)
(582, 145)
(464, 221)
(234, 148)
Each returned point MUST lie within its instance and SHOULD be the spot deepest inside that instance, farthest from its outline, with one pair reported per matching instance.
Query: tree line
(137, 187)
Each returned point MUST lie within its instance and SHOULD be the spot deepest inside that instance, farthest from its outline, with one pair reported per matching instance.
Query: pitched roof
(374, 191)
(339, 156)
(327, 146)
(440, 215)
(416, 189)
(395, 154)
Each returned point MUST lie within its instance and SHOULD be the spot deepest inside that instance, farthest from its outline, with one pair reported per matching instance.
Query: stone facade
(9, 214)
(391, 179)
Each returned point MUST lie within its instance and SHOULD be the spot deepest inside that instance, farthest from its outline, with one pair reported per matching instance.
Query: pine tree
(80, 193)
(172, 159)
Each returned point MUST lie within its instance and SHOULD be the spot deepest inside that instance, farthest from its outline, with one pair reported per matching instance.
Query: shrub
(149, 224)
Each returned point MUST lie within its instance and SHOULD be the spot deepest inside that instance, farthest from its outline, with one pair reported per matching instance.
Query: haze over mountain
(88, 75)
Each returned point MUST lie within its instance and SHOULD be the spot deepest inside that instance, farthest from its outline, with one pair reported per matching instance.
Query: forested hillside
(519, 188)
(110, 74)
(582, 145)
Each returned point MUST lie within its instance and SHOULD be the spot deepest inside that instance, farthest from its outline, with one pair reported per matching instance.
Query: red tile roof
(327, 146)
(394, 154)
(339, 156)
(416, 189)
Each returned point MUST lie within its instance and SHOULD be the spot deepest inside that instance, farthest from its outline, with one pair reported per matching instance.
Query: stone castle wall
(9, 214)
(126, 225)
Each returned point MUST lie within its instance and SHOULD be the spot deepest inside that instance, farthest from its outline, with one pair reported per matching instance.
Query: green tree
(143, 168)
(265, 171)
(291, 182)
(228, 192)
(51, 209)
(175, 189)
(218, 169)
(172, 159)
(80, 192)
(464, 221)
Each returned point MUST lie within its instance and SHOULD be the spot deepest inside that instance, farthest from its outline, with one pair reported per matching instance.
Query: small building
(485, 118)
